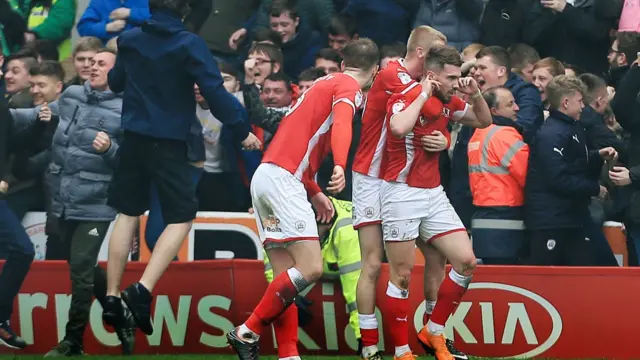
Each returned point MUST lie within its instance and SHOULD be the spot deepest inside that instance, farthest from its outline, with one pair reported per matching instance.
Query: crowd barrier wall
(224, 235)
(520, 311)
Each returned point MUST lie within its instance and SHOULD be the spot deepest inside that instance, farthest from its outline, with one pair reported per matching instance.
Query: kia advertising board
(507, 312)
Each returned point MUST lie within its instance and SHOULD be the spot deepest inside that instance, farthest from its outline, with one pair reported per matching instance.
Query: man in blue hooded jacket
(156, 67)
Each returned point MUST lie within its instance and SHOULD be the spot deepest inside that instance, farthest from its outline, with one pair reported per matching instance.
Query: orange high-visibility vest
(498, 159)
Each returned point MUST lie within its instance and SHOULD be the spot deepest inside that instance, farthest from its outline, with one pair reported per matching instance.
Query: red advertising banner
(507, 312)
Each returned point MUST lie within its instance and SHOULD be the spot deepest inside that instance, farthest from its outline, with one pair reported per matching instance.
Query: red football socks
(278, 296)
(368, 329)
(397, 314)
(449, 295)
(286, 329)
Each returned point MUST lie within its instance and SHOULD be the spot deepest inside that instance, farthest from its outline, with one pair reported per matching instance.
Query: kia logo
(498, 316)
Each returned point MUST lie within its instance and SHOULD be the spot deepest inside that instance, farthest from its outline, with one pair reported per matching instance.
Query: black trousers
(17, 246)
(560, 247)
(80, 243)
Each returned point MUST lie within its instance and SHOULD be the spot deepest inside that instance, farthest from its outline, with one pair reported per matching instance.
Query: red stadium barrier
(508, 311)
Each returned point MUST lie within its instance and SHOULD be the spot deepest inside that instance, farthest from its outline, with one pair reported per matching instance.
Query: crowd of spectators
(270, 52)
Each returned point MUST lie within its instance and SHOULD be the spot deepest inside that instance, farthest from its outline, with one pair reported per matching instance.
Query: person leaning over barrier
(341, 255)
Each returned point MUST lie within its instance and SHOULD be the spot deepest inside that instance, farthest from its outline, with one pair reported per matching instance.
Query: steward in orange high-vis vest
(498, 158)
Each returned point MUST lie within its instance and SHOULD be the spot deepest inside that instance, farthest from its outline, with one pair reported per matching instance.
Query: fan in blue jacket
(106, 19)
(560, 180)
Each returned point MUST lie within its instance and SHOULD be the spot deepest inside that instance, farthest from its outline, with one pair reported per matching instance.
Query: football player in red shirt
(414, 204)
(319, 122)
(368, 167)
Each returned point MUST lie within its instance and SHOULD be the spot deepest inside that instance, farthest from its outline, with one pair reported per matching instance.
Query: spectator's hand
(249, 71)
(620, 176)
(468, 86)
(428, 85)
(120, 14)
(435, 142)
(102, 142)
(557, 5)
(603, 193)
(45, 113)
(251, 143)
(608, 153)
(236, 38)
(29, 37)
(324, 208)
(337, 182)
(4, 187)
(116, 26)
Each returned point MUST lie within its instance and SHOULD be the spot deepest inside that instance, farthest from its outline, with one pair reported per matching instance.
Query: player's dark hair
(311, 74)
(273, 52)
(522, 55)
(439, 56)
(393, 50)
(48, 68)
(342, 25)
(361, 54)
(498, 55)
(593, 84)
(263, 34)
(491, 96)
(329, 54)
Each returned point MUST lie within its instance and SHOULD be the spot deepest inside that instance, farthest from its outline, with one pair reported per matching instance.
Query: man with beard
(414, 205)
(622, 53)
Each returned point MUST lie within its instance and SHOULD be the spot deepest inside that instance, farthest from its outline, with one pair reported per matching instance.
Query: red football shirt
(408, 162)
(370, 157)
(304, 137)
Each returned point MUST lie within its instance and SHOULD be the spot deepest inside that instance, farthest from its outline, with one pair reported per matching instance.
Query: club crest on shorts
(551, 244)
(404, 78)
(368, 212)
(395, 232)
(301, 225)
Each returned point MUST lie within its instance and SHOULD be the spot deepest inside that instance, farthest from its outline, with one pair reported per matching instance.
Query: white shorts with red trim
(410, 213)
(281, 208)
(365, 200)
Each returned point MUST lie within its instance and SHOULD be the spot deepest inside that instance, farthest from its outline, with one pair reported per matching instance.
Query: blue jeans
(155, 221)
(15, 242)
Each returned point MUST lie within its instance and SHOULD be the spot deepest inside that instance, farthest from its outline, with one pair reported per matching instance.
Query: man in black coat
(560, 181)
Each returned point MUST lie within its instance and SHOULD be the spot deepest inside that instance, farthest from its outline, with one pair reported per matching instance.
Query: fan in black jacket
(14, 241)
(560, 180)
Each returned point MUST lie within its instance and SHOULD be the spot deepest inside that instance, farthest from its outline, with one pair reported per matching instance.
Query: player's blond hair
(424, 37)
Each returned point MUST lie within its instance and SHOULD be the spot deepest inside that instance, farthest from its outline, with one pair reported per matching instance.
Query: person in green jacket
(341, 255)
(50, 20)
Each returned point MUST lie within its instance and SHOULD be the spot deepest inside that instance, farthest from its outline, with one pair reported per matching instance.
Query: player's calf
(401, 260)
